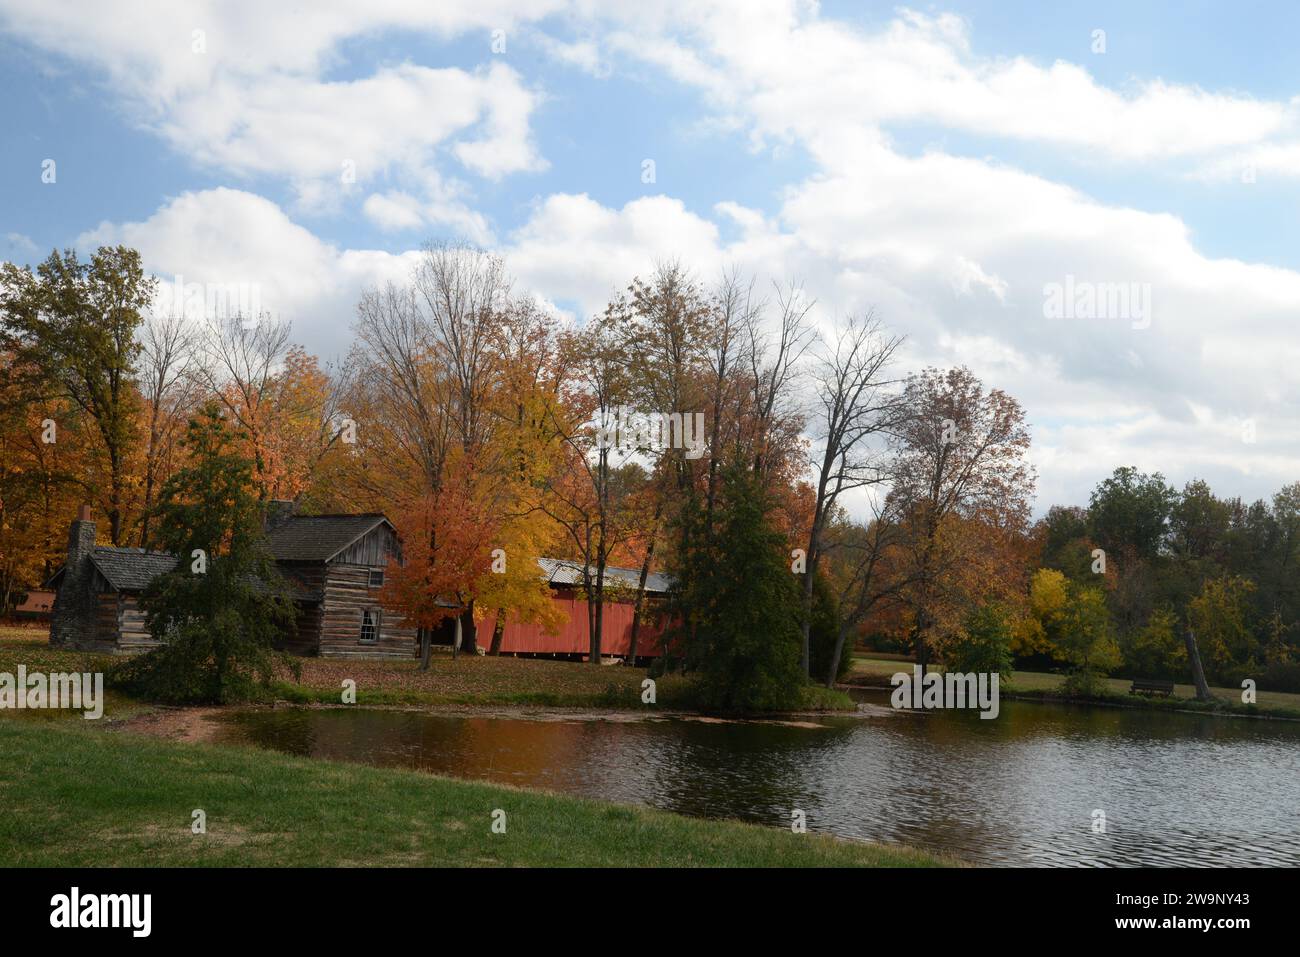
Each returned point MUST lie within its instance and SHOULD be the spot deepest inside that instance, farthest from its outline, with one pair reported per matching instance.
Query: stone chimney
(72, 622)
(278, 511)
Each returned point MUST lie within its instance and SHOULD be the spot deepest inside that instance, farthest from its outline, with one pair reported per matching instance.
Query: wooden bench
(1165, 688)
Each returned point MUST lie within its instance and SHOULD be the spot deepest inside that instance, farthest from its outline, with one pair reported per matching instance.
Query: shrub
(1155, 650)
(984, 644)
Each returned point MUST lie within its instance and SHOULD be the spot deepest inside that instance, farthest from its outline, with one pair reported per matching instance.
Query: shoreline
(134, 793)
(1168, 705)
(199, 723)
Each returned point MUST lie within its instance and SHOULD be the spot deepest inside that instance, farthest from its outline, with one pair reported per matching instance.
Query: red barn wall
(616, 631)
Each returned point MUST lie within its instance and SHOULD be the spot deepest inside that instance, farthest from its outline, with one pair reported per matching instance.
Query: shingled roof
(130, 569)
(133, 569)
(318, 538)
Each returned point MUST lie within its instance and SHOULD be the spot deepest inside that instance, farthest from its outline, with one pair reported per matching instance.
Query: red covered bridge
(571, 639)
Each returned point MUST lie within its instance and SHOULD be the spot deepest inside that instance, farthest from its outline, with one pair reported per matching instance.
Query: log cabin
(334, 566)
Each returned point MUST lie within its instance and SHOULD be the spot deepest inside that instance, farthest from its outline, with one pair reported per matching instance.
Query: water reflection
(1175, 788)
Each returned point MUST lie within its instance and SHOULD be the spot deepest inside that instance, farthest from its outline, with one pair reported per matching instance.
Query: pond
(1176, 789)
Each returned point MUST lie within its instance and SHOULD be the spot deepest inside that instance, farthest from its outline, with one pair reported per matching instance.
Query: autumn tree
(1075, 621)
(1220, 618)
(864, 573)
(278, 396)
(586, 496)
(961, 480)
(676, 344)
(447, 541)
(70, 327)
(523, 452)
(41, 483)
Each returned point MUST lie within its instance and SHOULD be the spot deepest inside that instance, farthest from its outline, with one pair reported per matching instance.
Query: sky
(1093, 210)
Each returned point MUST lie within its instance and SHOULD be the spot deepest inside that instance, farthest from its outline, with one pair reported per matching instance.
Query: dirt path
(174, 724)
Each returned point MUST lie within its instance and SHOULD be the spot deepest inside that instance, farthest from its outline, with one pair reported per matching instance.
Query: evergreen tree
(220, 611)
(742, 636)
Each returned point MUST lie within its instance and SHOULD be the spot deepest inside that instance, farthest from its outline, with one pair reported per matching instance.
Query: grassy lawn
(1038, 682)
(467, 680)
(72, 797)
(30, 647)
(474, 680)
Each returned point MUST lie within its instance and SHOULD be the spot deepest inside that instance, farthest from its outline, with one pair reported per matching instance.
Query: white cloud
(227, 237)
(245, 87)
(394, 211)
(312, 131)
(442, 205)
(955, 253)
(584, 55)
(794, 73)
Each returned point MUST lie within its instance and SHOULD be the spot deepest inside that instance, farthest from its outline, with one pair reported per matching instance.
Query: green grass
(467, 680)
(505, 681)
(31, 648)
(73, 797)
(1038, 684)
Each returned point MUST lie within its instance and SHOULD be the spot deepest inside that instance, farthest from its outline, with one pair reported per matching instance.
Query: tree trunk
(455, 644)
(1198, 673)
(597, 617)
(469, 629)
(598, 623)
(805, 623)
(148, 506)
(115, 504)
(921, 647)
(832, 669)
(426, 648)
(640, 593)
(498, 630)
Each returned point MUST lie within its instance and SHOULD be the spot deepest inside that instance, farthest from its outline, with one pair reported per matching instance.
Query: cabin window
(376, 578)
(370, 625)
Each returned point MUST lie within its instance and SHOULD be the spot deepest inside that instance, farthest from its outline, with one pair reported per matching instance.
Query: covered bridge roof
(560, 571)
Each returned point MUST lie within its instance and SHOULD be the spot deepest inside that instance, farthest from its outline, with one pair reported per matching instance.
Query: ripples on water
(1177, 789)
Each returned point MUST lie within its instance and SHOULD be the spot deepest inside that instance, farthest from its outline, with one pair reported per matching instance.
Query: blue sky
(940, 164)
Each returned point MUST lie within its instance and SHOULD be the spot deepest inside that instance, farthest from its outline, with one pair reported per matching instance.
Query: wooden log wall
(306, 638)
(132, 629)
(347, 594)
